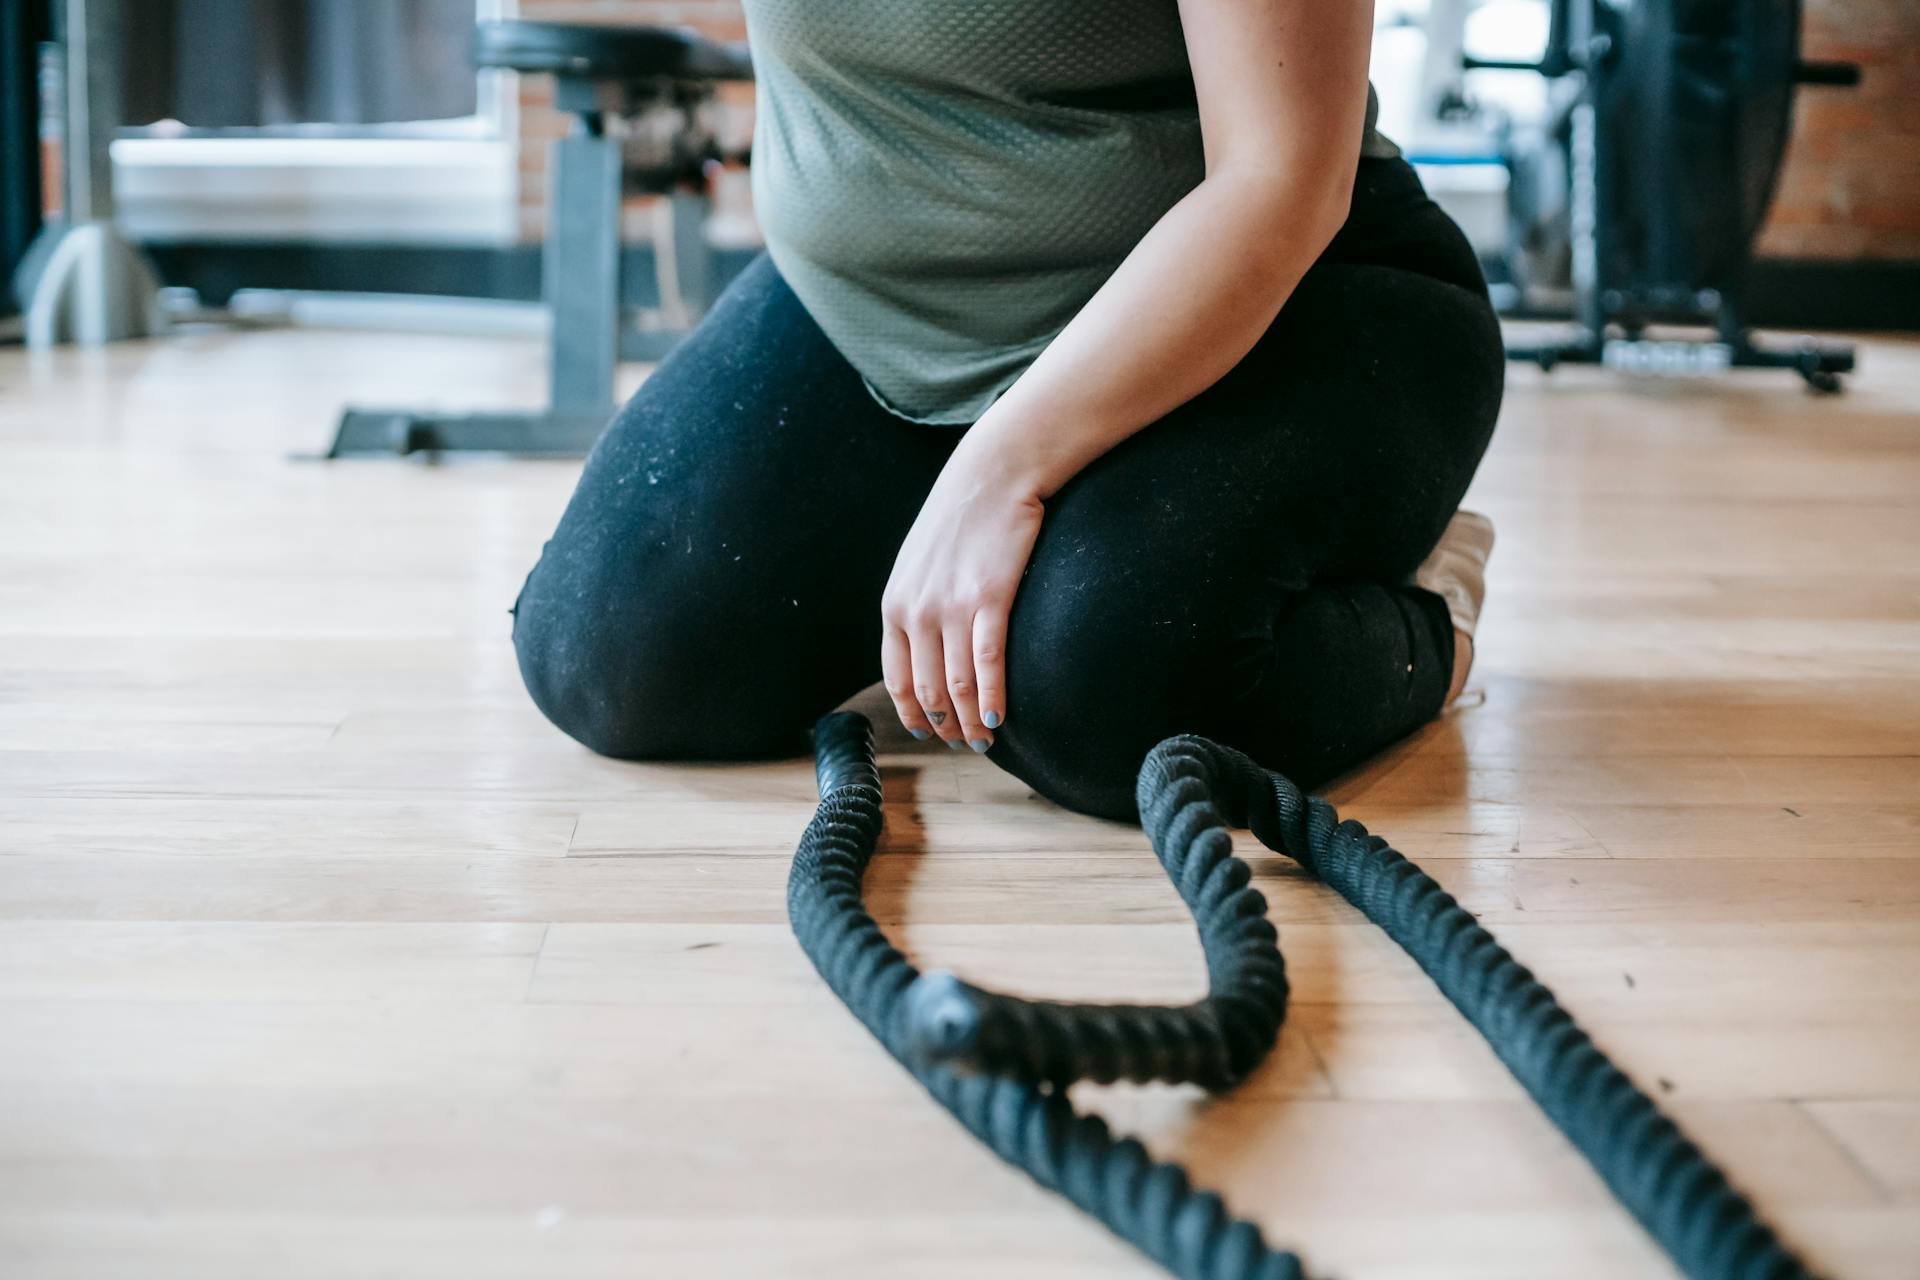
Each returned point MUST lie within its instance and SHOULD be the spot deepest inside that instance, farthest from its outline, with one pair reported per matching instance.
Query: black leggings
(1234, 570)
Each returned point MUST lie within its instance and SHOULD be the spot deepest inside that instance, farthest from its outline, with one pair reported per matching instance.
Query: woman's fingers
(930, 682)
(990, 663)
(947, 677)
(896, 670)
(963, 685)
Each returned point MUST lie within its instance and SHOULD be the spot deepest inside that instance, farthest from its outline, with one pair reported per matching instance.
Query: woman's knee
(593, 685)
(1090, 693)
(637, 674)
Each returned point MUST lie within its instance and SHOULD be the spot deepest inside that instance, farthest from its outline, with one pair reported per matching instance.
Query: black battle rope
(1001, 1065)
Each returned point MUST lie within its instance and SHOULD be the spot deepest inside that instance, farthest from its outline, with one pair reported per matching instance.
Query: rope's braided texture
(1001, 1065)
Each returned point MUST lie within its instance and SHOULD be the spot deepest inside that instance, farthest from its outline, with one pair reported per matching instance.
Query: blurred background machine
(461, 165)
(1635, 198)
(76, 275)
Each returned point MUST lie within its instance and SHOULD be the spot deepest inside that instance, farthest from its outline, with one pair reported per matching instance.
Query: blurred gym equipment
(23, 28)
(641, 100)
(1646, 186)
(80, 280)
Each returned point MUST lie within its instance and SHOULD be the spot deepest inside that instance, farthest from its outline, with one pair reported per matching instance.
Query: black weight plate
(1706, 105)
(1697, 112)
(1771, 55)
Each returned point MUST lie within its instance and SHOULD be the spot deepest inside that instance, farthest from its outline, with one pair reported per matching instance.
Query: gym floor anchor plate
(1001, 1065)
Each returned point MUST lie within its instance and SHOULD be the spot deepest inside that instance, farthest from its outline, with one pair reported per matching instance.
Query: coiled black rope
(1001, 1065)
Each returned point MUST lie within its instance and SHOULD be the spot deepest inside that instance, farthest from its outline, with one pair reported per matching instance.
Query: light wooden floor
(321, 955)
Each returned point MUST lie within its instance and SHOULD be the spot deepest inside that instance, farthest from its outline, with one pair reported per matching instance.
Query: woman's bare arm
(1282, 88)
(1282, 91)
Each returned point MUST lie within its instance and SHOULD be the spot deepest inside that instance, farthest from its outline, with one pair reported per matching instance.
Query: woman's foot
(1456, 571)
(1462, 665)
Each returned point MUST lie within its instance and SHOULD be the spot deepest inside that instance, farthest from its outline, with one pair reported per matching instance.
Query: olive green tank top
(944, 183)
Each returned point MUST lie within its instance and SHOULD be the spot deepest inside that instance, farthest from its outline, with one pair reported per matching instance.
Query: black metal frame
(1611, 316)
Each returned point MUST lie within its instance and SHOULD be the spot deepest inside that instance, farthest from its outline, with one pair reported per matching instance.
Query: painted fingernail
(981, 745)
(992, 719)
(920, 735)
(953, 744)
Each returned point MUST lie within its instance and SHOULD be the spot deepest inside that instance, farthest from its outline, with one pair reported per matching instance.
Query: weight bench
(642, 100)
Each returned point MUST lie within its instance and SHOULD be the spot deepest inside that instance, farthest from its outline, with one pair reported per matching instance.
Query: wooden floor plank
(322, 954)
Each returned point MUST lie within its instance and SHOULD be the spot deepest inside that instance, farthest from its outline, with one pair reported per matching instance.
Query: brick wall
(1850, 189)
(1851, 185)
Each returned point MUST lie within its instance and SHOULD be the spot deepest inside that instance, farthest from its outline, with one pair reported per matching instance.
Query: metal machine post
(81, 280)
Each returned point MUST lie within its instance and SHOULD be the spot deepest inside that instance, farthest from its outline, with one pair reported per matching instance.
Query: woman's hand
(944, 613)
(1184, 307)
